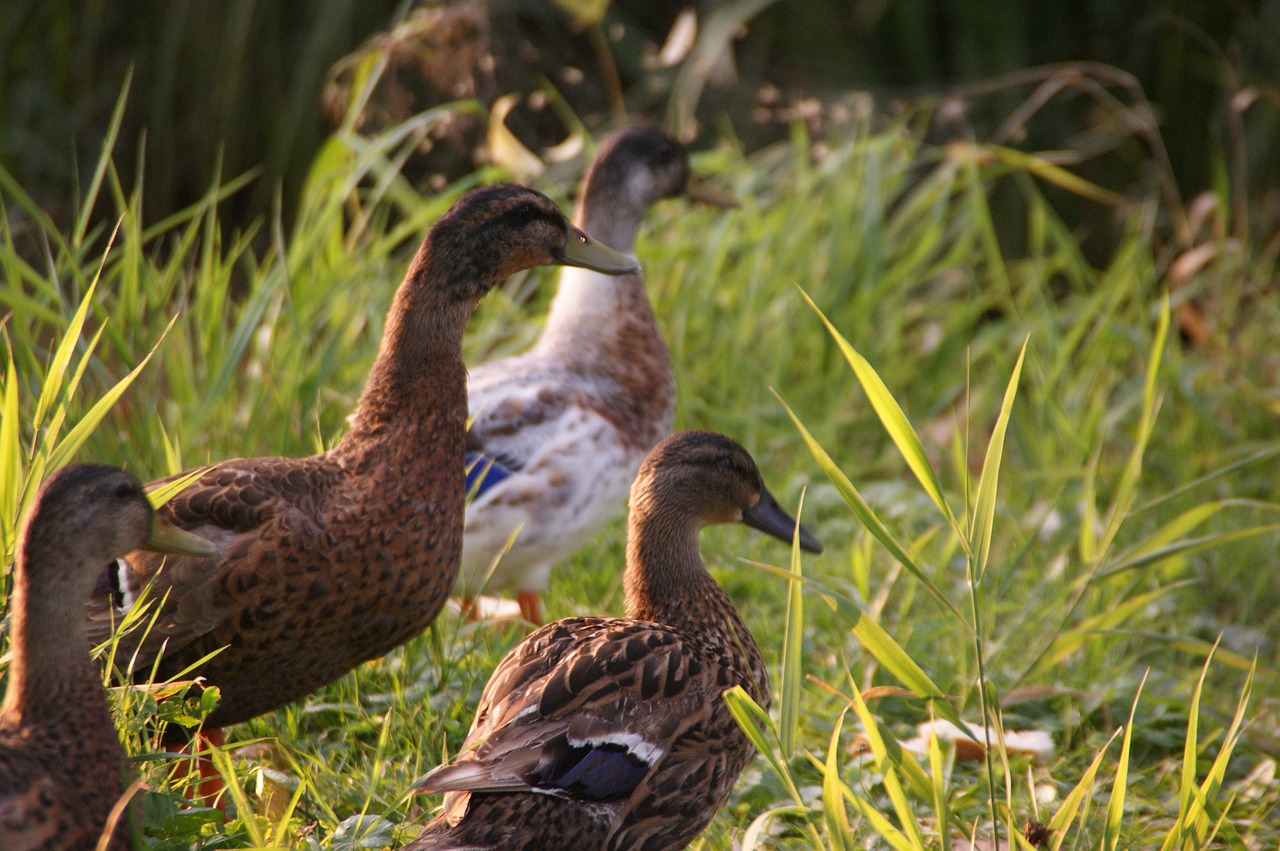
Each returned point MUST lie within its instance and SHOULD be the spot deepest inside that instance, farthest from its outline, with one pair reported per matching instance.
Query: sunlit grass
(1034, 494)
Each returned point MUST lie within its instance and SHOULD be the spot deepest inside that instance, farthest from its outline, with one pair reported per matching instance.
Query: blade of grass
(833, 811)
(104, 159)
(891, 416)
(77, 436)
(1071, 805)
(789, 687)
(984, 509)
(868, 517)
(1115, 810)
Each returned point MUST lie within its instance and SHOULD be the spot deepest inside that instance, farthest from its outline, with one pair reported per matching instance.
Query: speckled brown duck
(560, 430)
(611, 733)
(62, 768)
(328, 561)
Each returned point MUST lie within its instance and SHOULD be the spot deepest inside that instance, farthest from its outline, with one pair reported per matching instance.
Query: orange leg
(530, 606)
(209, 790)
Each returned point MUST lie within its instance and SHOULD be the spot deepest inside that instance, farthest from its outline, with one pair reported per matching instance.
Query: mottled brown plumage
(566, 424)
(611, 733)
(328, 561)
(62, 768)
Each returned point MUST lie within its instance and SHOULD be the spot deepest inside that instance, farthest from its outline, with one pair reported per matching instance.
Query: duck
(62, 767)
(611, 732)
(558, 431)
(327, 561)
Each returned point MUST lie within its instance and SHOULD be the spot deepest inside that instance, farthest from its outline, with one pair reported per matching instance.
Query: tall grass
(1038, 498)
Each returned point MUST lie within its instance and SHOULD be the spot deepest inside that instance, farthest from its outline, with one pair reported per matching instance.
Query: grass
(1042, 505)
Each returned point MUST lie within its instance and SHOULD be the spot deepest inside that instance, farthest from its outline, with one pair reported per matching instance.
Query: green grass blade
(1126, 488)
(1189, 806)
(984, 509)
(104, 160)
(868, 517)
(10, 459)
(77, 436)
(833, 811)
(874, 639)
(1070, 806)
(789, 685)
(1074, 640)
(891, 416)
(753, 719)
(169, 490)
(1115, 810)
(888, 764)
(938, 779)
(53, 383)
(757, 832)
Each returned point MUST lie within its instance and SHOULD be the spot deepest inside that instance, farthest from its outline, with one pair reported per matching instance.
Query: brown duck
(62, 768)
(328, 561)
(611, 733)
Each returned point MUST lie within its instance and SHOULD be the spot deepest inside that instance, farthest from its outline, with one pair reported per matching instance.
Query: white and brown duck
(560, 430)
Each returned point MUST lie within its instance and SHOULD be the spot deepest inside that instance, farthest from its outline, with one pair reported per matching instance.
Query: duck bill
(767, 516)
(699, 189)
(167, 538)
(582, 250)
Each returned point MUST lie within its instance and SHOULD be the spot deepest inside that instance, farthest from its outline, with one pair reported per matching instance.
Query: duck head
(495, 231)
(88, 515)
(710, 478)
(633, 169)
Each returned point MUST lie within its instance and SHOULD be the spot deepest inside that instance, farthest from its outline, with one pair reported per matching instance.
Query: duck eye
(523, 214)
(123, 490)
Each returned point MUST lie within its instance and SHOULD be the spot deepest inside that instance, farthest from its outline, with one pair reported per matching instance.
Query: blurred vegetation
(223, 88)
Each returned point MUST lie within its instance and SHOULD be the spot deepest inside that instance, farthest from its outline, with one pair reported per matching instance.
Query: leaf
(505, 149)
(10, 458)
(874, 639)
(1126, 489)
(985, 507)
(889, 763)
(1115, 810)
(838, 830)
(891, 416)
(77, 436)
(1057, 175)
(1066, 812)
(867, 516)
(789, 700)
(53, 384)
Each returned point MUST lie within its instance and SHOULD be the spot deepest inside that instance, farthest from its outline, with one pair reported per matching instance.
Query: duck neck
(592, 314)
(666, 581)
(51, 670)
(418, 375)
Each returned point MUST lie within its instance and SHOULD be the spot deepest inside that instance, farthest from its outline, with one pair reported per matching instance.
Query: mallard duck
(62, 768)
(599, 732)
(559, 431)
(328, 561)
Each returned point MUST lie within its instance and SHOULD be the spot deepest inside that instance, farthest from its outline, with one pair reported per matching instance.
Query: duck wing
(583, 708)
(240, 506)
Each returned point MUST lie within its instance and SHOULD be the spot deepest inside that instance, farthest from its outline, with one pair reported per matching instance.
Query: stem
(982, 699)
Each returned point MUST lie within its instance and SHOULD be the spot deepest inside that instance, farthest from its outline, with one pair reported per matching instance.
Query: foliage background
(940, 200)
